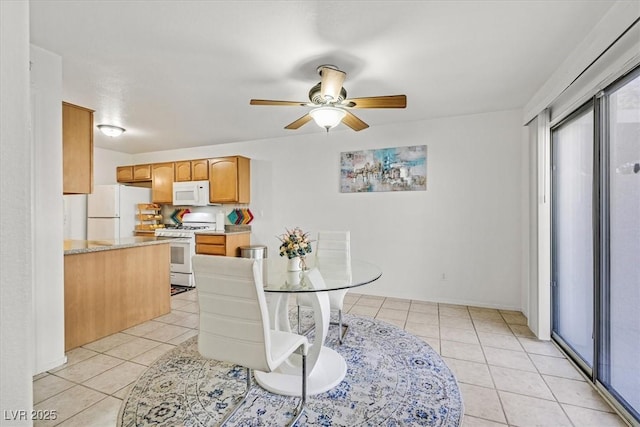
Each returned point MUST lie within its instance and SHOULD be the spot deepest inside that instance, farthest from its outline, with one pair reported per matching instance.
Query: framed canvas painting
(384, 169)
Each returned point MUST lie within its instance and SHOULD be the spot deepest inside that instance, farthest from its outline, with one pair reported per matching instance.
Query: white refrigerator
(112, 209)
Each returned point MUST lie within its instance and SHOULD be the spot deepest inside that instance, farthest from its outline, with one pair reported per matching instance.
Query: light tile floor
(507, 377)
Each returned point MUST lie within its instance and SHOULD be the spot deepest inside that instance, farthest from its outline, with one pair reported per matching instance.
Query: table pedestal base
(328, 372)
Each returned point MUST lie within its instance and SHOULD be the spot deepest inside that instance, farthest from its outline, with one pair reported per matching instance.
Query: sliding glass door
(596, 240)
(572, 222)
(619, 369)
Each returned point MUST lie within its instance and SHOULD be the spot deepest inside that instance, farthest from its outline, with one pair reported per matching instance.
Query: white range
(183, 247)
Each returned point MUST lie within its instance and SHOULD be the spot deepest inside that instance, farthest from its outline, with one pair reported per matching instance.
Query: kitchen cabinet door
(200, 170)
(222, 244)
(124, 173)
(77, 149)
(139, 175)
(229, 180)
(142, 173)
(162, 182)
(183, 171)
(192, 170)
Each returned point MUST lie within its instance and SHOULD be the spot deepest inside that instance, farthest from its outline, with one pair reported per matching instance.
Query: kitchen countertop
(84, 246)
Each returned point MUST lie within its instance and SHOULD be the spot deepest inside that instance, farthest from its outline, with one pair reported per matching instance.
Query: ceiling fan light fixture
(327, 117)
(111, 130)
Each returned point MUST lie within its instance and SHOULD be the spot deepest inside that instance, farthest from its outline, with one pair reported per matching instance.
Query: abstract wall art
(384, 169)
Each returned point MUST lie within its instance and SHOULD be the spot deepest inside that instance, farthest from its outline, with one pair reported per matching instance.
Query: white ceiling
(181, 73)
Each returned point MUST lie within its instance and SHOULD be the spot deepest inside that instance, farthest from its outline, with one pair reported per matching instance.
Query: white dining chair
(234, 321)
(333, 259)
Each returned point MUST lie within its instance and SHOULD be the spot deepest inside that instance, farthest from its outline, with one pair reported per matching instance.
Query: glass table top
(362, 273)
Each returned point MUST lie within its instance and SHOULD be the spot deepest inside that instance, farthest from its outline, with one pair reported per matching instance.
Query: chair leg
(340, 326)
(341, 333)
(299, 328)
(303, 399)
(244, 398)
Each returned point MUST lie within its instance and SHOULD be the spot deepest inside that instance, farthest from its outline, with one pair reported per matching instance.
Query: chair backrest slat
(333, 255)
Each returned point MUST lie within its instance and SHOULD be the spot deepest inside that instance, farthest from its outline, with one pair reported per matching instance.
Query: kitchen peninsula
(112, 285)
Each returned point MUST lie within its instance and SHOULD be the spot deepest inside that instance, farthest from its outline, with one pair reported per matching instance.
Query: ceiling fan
(330, 104)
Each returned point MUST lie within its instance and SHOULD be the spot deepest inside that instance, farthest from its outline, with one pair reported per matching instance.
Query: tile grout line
(587, 380)
(493, 381)
(85, 409)
(612, 408)
(500, 399)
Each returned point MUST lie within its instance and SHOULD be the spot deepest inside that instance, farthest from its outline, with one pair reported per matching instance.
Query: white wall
(16, 344)
(48, 252)
(466, 226)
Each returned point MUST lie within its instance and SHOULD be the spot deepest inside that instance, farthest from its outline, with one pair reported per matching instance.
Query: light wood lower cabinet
(108, 291)
(221, 244)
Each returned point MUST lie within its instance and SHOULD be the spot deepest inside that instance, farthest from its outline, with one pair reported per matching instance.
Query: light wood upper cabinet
(142, 172)
(77, 149)
(200, 170)
(183, 171)
(162, 175)
(136, 174)
(229, 180)
(124, 173)
(192, 170)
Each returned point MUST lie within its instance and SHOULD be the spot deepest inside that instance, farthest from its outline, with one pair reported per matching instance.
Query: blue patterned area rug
(393, 379)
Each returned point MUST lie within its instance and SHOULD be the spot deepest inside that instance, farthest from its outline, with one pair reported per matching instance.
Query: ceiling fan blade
(353, 122)
(391, 101)
(331, 83)
(279, 103)
(299, 123)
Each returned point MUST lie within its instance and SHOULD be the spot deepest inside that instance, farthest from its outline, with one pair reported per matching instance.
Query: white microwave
(191, 193)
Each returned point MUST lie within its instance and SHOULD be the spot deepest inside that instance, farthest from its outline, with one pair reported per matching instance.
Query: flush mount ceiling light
(111, 130)
(327, 117)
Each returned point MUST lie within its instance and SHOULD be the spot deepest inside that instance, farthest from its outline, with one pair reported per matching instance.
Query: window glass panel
(624, 243)
(573, 234)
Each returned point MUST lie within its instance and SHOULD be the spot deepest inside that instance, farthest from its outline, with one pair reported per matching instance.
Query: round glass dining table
(326, 368)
